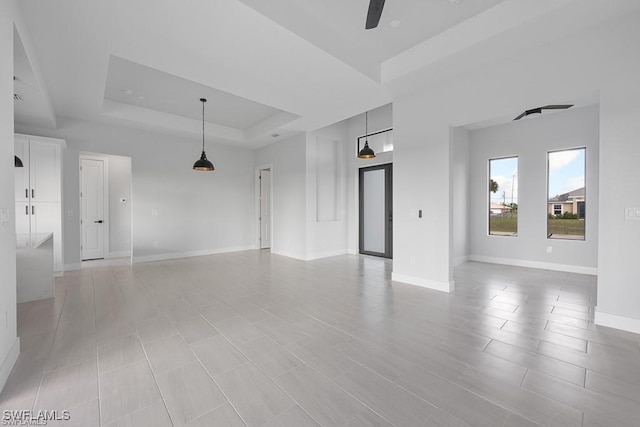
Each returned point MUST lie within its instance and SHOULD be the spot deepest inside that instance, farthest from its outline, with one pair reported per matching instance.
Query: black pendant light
(203, 165)
(17, 162)
(366, 152)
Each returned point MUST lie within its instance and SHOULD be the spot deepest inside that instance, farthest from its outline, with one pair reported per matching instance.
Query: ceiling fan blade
(520, 116)
(374, 13)
(557, 107)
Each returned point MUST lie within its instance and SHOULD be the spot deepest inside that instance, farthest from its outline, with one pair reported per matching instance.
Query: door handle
(26, 193)
(26, 210)
(33, 210)
(98, 222)
(33, 193)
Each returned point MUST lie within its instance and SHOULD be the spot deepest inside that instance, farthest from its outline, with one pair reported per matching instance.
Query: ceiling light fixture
(366, 152)
(203, 165)
(17, 162)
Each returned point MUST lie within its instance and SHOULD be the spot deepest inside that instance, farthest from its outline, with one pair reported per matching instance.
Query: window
(503, 196)
(379, 142)
(566, 194)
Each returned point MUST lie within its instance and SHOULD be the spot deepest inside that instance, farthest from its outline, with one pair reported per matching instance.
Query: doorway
(105, 208)
(376, 216)
(264, 206)
(94, 207)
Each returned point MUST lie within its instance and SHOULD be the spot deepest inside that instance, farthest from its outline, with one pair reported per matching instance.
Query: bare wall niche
(328, 179)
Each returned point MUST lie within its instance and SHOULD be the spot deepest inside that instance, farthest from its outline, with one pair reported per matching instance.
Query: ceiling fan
(374, 13)
(546, 107)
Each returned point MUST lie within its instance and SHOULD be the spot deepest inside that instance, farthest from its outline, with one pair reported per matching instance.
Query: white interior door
(265, 209)
(92, 207)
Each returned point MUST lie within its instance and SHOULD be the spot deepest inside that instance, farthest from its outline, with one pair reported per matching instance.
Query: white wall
(326, 237)
(618, 266)
(9, 343)
(288, 197)
(531, 140)
(198, 213)
(120, 181)
(460, 195)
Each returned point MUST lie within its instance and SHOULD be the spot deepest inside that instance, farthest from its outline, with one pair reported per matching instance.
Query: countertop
(31, 241)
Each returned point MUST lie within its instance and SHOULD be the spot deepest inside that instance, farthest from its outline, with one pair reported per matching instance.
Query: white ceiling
(337, 26)
(145, 87)
(277, 66)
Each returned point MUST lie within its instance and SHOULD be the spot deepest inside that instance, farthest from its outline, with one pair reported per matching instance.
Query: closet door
(45, 172)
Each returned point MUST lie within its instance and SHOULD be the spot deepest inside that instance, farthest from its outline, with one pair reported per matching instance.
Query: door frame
(257, 232)
(105, 203)
(388, 167)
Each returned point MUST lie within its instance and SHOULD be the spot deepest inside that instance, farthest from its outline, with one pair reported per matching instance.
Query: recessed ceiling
(337, 26)
(145, 87)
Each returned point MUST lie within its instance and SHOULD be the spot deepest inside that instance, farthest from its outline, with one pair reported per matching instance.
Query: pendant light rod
(203, 100)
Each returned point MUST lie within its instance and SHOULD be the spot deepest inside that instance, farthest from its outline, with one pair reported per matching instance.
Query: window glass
(503, 196)
(566, 194)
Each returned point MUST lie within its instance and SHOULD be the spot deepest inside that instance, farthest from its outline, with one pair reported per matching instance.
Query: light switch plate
(4, 217)
(632, 214)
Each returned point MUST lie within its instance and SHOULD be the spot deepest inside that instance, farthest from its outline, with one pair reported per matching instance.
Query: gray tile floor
(258, 339)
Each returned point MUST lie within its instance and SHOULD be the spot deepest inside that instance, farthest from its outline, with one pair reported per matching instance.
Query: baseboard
(536, 264)
(289, 254)
(178, 255)
(326, 254)
(460, 260)
(121, 254)
(628, 324)
(424, 283)
(9, 362)
(71, 267)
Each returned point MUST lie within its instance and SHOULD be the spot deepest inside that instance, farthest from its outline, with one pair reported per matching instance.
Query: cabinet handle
(26, 193)
(26, 210)
(33, 210)
(33, 193)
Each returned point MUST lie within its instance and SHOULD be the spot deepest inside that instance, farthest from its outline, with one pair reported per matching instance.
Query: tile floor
(251, 338)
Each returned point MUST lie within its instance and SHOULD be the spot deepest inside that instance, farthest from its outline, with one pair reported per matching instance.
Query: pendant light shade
(366, 152)
(17, 162)
(203, 164)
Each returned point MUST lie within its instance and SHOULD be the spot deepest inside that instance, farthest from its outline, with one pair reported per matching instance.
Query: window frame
(488, 193)
(586, 163)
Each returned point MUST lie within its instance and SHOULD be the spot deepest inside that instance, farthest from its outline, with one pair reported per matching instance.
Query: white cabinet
(38, 190)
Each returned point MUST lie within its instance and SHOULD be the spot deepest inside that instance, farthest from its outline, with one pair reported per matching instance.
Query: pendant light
(203, 165)
(366, 152)
(17, 162)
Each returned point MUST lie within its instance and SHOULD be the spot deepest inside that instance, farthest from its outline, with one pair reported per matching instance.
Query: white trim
(460, 260)
(295, 255)
(58, 273)
(177, 255)
(72, 267)
(9, 362)
(536, 264)
(424, 283)
(325, 254)
(120, 254)
(618, 322)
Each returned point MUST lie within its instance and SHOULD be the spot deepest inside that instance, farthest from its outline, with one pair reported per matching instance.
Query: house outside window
(557, 209)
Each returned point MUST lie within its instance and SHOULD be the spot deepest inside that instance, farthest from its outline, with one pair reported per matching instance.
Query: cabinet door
(23, 217)
(22, 174)
(47, 218)
(45, 172)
